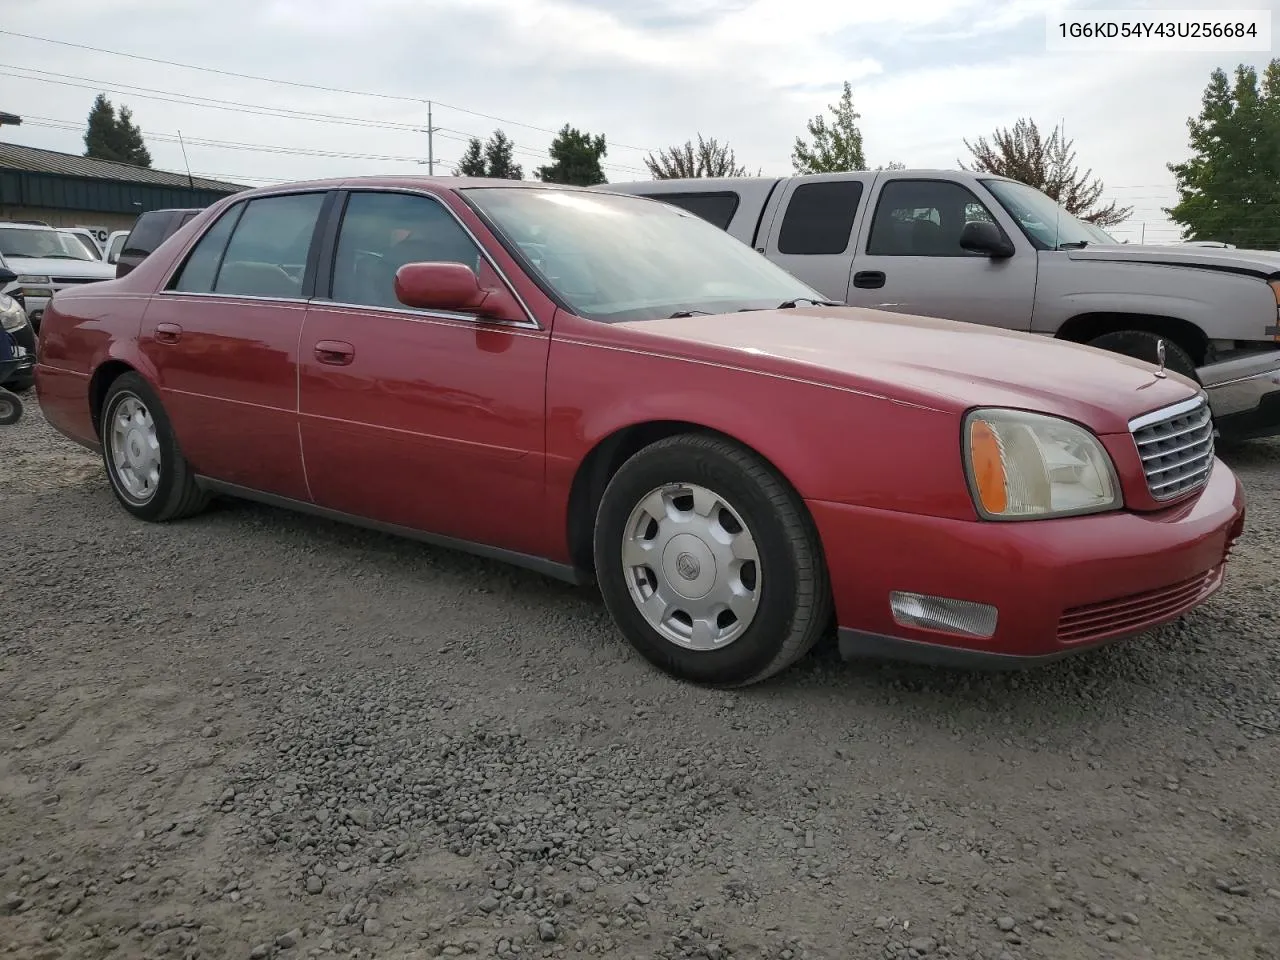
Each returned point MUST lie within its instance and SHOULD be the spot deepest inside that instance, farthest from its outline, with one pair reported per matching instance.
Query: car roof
(10, 225)
(436, 184)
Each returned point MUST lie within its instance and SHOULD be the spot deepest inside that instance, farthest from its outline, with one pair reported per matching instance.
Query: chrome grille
(1176, 447)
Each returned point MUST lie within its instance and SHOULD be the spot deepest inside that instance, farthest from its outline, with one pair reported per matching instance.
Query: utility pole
(431, 144)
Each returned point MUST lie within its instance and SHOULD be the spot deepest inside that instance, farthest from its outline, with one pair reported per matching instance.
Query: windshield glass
(1041, 218)
(38, 244)
(618, 258)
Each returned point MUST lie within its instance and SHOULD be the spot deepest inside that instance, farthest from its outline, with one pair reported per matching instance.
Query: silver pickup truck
(986, 249)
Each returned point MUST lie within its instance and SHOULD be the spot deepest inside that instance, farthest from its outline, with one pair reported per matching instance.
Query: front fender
(830, 443)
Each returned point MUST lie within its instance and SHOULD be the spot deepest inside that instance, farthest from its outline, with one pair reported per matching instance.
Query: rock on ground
(254, 734)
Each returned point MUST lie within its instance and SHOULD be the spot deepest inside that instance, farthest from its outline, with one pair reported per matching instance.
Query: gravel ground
(254, 734)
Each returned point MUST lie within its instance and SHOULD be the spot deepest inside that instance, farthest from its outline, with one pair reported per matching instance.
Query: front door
(223, 338)
(427, 420)
(909, 258)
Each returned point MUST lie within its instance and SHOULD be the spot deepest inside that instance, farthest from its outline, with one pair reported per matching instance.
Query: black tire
(175, 494)
(10, 408)
(793, 607)
(1141, 345)
(21, 383)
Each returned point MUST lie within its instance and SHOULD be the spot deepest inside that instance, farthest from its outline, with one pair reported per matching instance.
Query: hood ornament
(1160, 358)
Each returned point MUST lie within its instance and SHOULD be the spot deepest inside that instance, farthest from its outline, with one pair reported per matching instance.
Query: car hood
(941, 364)
(1265, 263)
(43, 267)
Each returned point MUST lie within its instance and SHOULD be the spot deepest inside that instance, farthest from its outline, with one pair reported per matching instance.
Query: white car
(46, 260)
(86, 237)
(115, 243)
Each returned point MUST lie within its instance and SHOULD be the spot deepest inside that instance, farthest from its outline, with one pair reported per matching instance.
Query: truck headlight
(27, 278)
(1029, 466)
(12, 316)
(1275, 288)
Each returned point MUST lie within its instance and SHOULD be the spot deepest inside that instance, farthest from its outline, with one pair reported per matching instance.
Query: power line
(296, 83)
(235, 106)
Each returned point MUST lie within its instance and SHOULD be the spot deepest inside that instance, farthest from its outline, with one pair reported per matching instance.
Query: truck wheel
(1141, 345)
(709, 562)
(10, 408)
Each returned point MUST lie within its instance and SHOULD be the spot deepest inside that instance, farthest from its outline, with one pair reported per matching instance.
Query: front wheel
(10, 408)
(147, 471)
(709, 562)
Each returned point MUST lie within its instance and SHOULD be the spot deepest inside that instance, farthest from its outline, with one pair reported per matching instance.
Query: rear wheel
(1143, 345)
(147, 471)
(709, 562)
(10, 408)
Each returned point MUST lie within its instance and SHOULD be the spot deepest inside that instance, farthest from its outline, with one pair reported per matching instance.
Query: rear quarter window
(148, 233)
(716, 208)
(819, 217)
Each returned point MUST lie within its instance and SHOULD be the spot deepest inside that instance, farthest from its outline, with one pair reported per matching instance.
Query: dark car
(14, 321)
(149, 231)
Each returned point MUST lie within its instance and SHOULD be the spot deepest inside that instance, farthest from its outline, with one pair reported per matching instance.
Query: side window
(201, 269)
(715, 208)
(819, 217)
(381, 232)
(116, 245)
(923, 218)
(267, 253)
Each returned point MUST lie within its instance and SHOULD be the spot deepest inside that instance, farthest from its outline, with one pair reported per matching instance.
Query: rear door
(812, 231)
(223, 338)
(910, 261)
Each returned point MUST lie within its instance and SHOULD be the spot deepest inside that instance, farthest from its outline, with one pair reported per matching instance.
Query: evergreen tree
(100, 133)
(472, 162)
(499, 159)
(112, 136)
(493, 158)
(835, 148)
(575, 157)
(1229, 190)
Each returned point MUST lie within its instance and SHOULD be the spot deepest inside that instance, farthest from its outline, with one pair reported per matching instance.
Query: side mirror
(984, 237)
(453, 287)
(7, 276)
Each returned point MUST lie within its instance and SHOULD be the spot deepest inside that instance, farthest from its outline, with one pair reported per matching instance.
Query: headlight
(1275, 288)
(12, 316)
(1027, 466)
(32, 278)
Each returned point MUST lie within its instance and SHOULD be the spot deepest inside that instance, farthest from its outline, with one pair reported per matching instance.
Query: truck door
(812, 230)
(908, 257)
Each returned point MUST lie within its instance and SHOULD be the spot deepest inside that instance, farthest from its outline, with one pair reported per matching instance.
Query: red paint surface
(476, 430)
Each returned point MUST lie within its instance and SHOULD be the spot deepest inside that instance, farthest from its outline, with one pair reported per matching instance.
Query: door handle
(168, 333)
(336, 352)
(868, 279)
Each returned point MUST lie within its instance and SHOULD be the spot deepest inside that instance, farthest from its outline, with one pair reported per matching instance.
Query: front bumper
(26, 338)
(1244, 395)
(1059, 586)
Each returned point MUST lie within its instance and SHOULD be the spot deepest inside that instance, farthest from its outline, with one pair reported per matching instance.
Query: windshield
(617, 258)
(1046, 223)
(86, 243)
(42, 244)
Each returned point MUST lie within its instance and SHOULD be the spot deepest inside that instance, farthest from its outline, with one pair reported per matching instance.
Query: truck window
(147, 233)
(819, 218)
(923, 218)
(716, 208)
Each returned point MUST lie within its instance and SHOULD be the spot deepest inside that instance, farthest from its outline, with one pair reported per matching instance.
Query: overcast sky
(926, 75)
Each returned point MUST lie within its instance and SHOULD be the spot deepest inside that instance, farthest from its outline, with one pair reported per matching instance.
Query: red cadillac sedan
(606, 388)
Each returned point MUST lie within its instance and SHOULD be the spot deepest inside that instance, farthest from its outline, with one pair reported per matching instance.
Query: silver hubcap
(135, 449)
(692, 566)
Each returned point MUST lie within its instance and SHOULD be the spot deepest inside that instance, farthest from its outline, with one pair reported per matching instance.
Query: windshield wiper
(1074, 245)
(788, 304)
(689, 313)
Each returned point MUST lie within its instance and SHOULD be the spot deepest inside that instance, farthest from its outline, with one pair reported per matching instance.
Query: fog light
(941, 613)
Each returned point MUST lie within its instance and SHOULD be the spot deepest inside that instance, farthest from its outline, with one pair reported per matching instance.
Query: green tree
(834, 148)
(575, 159)
(494, 158)
(1229, 189)
(472, 163)
(1024, 155)
(109, 136)
(707, 159)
